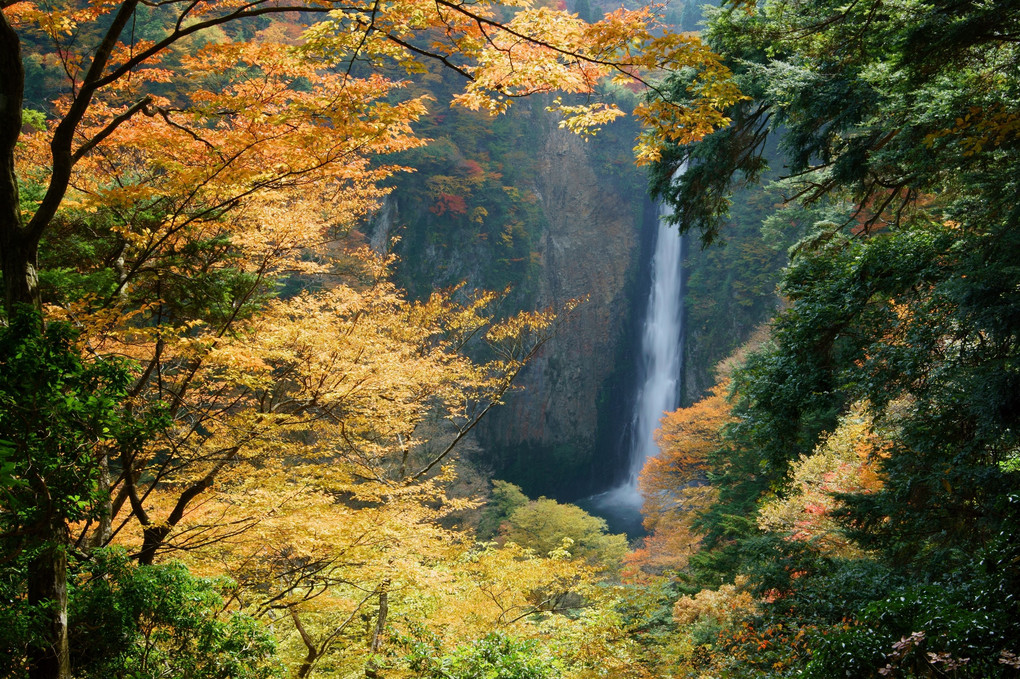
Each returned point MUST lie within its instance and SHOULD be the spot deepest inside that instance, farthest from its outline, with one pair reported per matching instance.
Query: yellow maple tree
(504, 51)
(208, 165)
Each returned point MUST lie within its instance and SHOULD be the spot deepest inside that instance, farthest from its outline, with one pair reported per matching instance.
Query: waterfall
(659, 371)
(660, 345)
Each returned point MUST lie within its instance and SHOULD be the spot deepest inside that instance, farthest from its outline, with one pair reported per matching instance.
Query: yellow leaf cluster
(719, 605)
(845, 462)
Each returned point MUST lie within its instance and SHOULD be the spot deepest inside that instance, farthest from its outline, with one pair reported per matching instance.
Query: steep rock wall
(516, 201)
(544, 437)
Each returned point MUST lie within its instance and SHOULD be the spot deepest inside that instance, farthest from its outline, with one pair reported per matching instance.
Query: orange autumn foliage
(672, 482)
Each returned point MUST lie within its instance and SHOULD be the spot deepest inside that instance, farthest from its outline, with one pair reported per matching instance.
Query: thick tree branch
(109, 129)
(63, 135)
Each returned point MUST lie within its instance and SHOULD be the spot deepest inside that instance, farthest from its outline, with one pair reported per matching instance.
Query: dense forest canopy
(228, 439)
(201, 361)
(867, 479)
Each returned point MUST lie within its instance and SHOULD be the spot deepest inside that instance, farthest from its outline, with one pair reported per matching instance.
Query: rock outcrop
(517, 201)
(544, 437)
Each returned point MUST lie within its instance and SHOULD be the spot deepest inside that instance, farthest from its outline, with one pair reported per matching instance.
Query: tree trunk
(152, 540)
(372, 666)
(17, 248)
(380, 622)
(48, 657)
(104, 529)
(313, 652)
(18, 261)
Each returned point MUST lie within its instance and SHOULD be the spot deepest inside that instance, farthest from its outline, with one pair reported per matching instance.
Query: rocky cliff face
(544, 437)
(516, 201)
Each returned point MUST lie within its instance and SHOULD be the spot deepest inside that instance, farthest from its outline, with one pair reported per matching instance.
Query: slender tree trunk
(152, 540)
(104, 529)
(313, 651)
(372, 666)
(18, 256)
(380, 622)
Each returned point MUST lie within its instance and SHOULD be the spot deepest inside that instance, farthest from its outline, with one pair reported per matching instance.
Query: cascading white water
(660, 344)
(660, 366)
